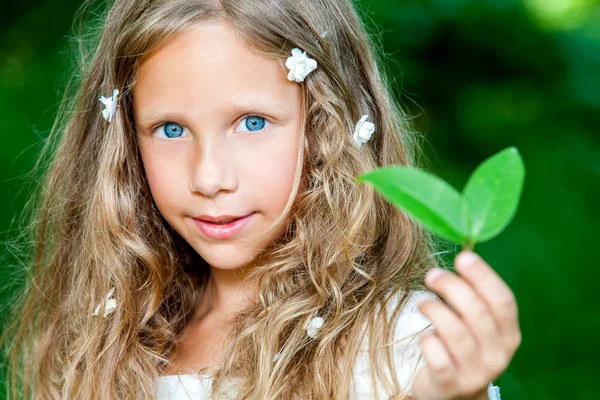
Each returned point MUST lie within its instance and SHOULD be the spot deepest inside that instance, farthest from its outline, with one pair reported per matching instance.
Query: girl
(200, 233)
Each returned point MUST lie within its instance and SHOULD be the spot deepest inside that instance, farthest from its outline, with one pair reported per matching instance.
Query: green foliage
(492, 194)
(486, 206)
(436, 204)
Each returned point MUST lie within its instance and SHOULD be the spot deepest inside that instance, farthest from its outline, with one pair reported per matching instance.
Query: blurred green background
(478, 76)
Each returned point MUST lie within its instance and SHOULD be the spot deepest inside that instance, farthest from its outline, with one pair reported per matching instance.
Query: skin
(474, 338)
(236, 118)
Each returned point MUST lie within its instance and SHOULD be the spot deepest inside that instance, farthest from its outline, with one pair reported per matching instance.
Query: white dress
(197, 387)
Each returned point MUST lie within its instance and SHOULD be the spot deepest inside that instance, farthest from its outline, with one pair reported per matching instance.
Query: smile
(222, 231)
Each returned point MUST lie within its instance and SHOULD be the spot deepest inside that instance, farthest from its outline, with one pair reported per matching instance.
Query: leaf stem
(468, 244)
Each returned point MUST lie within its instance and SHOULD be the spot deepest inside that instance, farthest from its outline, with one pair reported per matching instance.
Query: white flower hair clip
(300, 65)
(363, 130)
(110, 104)
(322, 36)
(493, 392)
(110, 305)
(277, 356)
(313, 325)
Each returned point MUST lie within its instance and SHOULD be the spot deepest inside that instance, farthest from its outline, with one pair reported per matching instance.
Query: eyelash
(268, 120)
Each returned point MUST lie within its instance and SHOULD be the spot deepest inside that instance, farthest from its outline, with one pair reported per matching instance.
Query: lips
(222, 231)
(220, 222)
(219, 219)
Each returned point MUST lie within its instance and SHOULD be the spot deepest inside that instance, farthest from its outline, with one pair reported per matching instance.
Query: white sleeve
(408, 351)
(405, 350)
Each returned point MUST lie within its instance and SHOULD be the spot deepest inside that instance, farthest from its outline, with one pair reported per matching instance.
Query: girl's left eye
(254, 123)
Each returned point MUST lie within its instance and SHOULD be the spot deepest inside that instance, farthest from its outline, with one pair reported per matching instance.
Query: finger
(498, 296)
(474, 311)
(438, 361)
(452, 331)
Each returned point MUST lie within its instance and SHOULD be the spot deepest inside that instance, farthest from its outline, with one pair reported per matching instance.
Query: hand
(475, 337)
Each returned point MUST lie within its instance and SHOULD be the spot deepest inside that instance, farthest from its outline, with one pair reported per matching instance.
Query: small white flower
(277, 356)
(363, 130)
(300, 65)
(110, 305)
(111, 105)
(322, 36)
(493, 392)
(313, 325)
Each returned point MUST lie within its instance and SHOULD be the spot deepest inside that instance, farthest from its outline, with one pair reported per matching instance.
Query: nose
(212, 171)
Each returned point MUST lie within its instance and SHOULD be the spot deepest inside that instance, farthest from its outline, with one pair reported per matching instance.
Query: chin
(226, 260)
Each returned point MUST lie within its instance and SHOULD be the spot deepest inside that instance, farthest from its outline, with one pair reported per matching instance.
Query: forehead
(209, 66)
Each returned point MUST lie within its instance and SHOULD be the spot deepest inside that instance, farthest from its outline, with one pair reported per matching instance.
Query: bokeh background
(477, 76)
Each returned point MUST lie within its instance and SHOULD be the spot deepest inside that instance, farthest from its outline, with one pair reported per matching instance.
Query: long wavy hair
(344, 251)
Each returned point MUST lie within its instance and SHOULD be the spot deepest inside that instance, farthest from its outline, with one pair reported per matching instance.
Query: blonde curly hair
(344, 250)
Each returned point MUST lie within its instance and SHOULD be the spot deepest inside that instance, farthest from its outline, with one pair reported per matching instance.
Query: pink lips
(224, 231)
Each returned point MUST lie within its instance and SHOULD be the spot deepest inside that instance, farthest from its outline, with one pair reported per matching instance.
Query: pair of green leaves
(485, 207)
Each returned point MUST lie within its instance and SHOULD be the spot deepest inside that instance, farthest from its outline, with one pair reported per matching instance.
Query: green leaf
(435, 203)
(492, 193)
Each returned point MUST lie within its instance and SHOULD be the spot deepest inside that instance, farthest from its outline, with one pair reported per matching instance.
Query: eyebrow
(151, 117)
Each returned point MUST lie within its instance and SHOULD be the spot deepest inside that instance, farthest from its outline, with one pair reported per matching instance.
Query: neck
(227, 293)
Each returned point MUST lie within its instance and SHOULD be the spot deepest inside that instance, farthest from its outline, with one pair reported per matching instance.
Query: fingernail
(433, 274)
(467, 259)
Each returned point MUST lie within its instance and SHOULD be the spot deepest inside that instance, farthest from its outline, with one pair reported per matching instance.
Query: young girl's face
(218, 129)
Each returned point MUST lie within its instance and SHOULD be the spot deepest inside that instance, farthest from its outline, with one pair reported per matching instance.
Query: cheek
(164, 177)
(272, 173)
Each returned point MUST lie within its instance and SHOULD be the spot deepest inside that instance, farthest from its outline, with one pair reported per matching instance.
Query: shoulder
(405, 347)
(408, 329)
(410, 321)
(409, 326)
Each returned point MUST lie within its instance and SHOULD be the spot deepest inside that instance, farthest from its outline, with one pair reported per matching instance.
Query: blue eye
(172, 130)
(254, 123)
